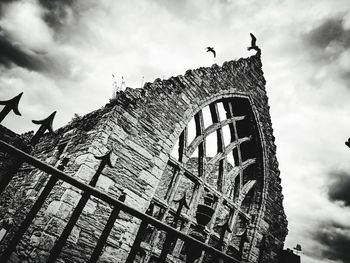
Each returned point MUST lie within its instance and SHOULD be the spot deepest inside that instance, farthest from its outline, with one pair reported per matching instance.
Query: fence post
(45, 124)
(55, 251)
(170, 239)
(139, 236)
(225, 227)
(244, 239)
(29, 218)
(105, 233)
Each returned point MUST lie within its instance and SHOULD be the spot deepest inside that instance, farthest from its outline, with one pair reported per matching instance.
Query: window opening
(217, 153)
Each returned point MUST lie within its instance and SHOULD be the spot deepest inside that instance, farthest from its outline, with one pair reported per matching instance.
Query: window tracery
(219, 152)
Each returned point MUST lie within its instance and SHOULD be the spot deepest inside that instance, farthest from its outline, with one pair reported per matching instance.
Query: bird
(211, 49)
(348, 143)
(253, 43)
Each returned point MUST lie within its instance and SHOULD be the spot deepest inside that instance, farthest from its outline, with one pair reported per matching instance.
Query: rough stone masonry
(142, 127)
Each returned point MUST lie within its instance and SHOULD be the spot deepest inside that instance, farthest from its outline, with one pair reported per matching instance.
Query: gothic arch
(192, 176)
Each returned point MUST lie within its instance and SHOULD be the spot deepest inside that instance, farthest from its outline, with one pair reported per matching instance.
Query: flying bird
(211, 49)
(348, 143)
(253, 43)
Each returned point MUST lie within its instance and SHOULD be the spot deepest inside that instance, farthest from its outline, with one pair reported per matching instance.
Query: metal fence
(192, 241)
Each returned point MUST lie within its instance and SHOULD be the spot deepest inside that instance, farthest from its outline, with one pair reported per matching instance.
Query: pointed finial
(106, 159)
(11, 104)
(243, 235)
(150, 209)
(45, 124)
(122, 197)
(182, 201)
(226, 226)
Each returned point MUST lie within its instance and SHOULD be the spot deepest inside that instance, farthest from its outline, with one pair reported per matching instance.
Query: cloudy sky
(62, 55)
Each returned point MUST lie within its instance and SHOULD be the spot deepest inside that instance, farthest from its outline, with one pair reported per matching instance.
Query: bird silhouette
(348, 143)
(211, 49)
(253, 43)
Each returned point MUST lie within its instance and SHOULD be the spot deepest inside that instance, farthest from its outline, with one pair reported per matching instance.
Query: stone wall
(141, 126)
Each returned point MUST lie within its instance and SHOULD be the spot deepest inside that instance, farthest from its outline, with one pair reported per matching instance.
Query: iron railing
(88, 191)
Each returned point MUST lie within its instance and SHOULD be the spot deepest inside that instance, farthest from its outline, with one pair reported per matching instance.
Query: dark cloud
(57, 12)
(2, 4)
(339, 187)
(11, 53)
(182, 9)
(335, 240)
(327, 44)
(330, 31)
(7, 1)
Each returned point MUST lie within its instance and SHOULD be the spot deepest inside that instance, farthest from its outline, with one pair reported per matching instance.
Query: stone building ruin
(205, 133)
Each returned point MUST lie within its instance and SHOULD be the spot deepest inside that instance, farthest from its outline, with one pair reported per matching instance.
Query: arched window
(218, 153)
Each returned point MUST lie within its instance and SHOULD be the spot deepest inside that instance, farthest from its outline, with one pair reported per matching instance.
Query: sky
(62, 54)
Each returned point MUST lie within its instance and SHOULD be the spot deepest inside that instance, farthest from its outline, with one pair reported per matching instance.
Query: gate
(193, 241)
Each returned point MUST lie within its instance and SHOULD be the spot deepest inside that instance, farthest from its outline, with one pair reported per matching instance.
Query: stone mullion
(220, 144)
(229, 112)
(220, 147)
(201, 156)
(201, 147)
(179, 167)
(182, 144)
(201, 164)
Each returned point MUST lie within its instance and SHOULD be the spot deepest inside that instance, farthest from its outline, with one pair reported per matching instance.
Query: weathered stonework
(141, 126)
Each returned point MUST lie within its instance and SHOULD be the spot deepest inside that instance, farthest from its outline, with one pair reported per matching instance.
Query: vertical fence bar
(225, 227)
(105, 233)
(169, 238)
(45, 124)
(29, 218)
(139, 236)
(244, 239)
(55, 251)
